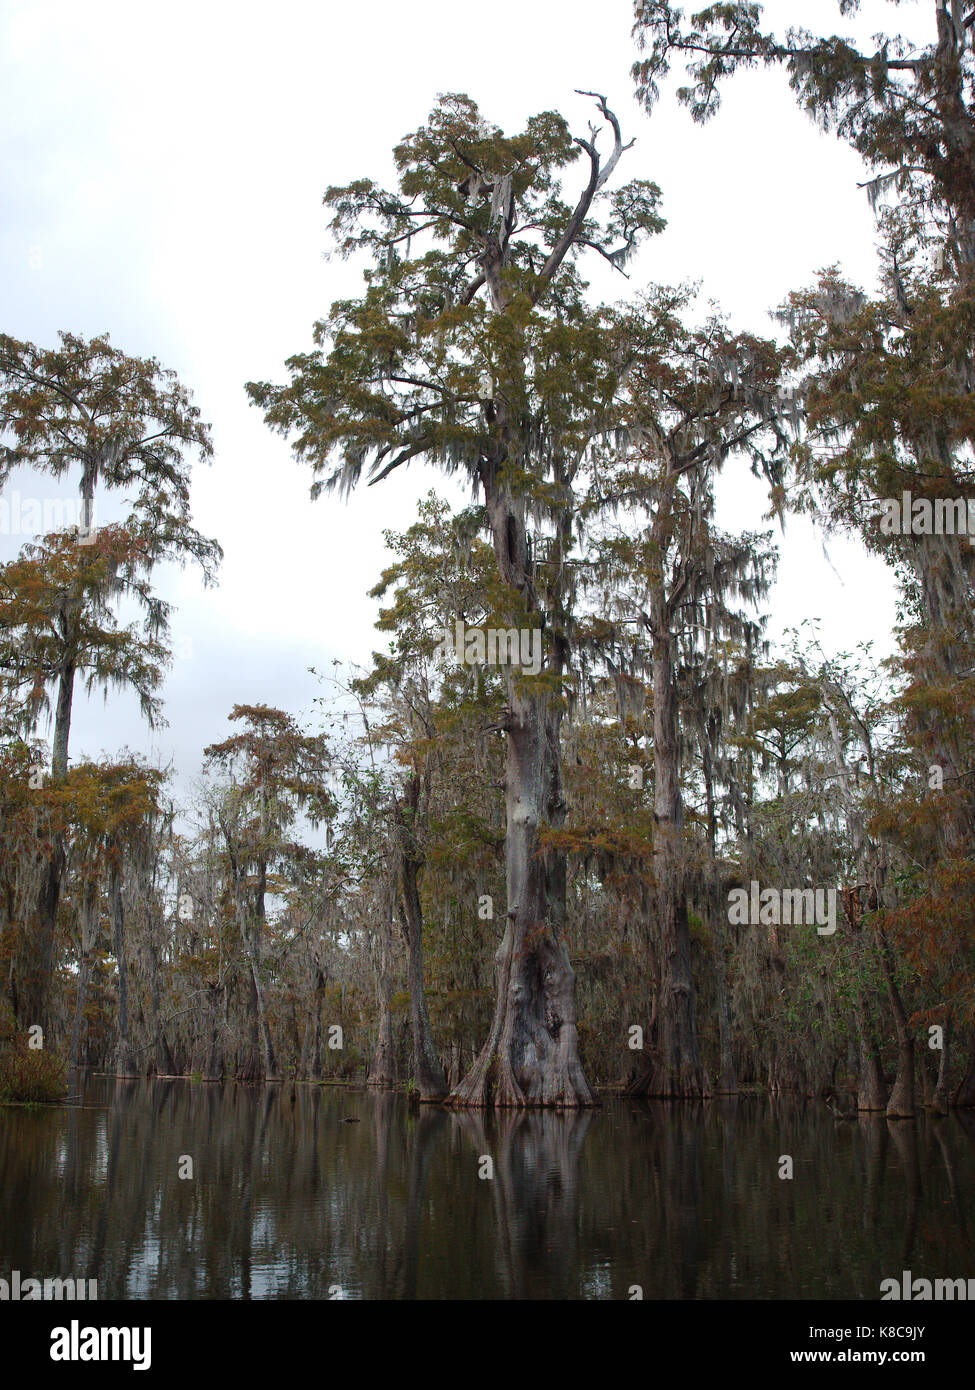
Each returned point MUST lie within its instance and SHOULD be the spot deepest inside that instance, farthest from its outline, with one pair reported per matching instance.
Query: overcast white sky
(163, 168)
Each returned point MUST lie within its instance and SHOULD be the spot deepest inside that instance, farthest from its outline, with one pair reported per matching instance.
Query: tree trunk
(871, 1085)
(88, 927)
(163, 1057)
(125, 1060)
(531, 1056)
(271, 1072)
(939, 1101)
(901, 1103)
(717, 917)
(33, 965)
(427, 1071)
(81, 998)
(964, 1097)
(900, 1106)
(453, 1069)
(727, 1081)
(382, 1069)
(212, 1068)
(249, 1052)
(62, 722)
(259, 1060)
(37, 968)
(315, 1069)
(677, 1070)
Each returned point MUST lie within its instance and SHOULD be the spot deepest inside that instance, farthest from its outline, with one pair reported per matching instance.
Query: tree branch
(597, 179)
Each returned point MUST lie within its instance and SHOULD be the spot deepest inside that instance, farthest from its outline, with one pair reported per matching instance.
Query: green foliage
(125, 422)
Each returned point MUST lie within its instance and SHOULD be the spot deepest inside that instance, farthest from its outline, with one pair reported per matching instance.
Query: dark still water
(291, 1200)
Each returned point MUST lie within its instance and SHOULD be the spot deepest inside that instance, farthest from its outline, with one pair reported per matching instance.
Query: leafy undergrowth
(27, 1074)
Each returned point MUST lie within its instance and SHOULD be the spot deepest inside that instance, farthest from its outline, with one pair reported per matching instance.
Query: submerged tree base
(659, 1082)
(494, 1082)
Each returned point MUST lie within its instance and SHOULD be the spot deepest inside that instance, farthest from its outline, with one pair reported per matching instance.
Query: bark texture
(901, 1104)
(125, 1064)
(428, 1074)
(531, 1057)
(677, 1070)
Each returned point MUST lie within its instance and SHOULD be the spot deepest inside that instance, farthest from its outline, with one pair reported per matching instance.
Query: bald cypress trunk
(427, 1071)
(871, 1085)
(32, 968)
(964, 1097)
(727, 1082)
(900, 1106)
(271, 1072)
(406, 818)
(81, 998)
(382, 1068)
(678, 1070)
(125, 1059)
(62, 720)
(87, 929)
(531, 1056)
(315, 1065)
(270, 1066)
(212, 1068)
(162, 1055)
(259, 1061)
(35, 968)
(939, 1100)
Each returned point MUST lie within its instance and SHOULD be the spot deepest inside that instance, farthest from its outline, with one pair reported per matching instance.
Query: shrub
(26, 1073)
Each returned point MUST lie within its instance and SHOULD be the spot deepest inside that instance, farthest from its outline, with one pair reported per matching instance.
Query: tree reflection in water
(353, 1194)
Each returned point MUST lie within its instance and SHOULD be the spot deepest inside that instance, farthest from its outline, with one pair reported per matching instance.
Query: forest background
(229, 928)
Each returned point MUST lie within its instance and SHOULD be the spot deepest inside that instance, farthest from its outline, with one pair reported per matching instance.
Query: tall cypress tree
(473, 346)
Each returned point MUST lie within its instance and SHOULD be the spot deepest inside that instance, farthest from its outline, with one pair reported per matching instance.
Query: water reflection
(534, 1192)
(325, 1192)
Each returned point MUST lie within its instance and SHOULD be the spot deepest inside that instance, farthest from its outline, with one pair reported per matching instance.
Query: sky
(162, 171)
